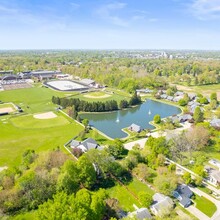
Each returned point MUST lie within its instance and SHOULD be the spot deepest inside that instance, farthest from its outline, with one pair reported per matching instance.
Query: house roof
(158, 197)
(185, 117)
(141, 214)
(184, 190)
(177, 98)
(135, 127)
(178, 93)
(89, 143)
(215, 122)
(74, 143)
(185, 201)
(161, 202)
(44, 72)
(87, 81)
(216, 175)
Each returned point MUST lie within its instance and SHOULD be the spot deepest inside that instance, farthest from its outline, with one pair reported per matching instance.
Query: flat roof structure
(66, 85)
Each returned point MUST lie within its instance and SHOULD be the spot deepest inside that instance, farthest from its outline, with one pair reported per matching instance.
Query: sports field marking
(97, 97)
(46, 115)
(8, 109)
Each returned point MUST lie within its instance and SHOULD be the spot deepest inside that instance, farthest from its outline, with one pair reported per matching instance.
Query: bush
(157, 119)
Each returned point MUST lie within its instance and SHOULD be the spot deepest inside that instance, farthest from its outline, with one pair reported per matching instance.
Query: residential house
(185, 117)
(142, 213)
(215, 123)
(215, 162)
(178, 93)
(192, 96)
(183, 194)
(161, 204)
(213, 176)
(163, 96)
(170, 98)
(135, 128)
(177, 98)
(85, 145)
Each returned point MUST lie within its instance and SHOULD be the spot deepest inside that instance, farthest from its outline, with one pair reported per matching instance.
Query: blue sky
(107, 24)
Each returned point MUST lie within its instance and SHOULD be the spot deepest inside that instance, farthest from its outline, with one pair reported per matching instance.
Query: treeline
(85, 106)
(53, 179)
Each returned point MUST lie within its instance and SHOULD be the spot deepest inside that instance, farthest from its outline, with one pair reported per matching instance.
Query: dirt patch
(8, 109)
(97, 97)
(46, 115)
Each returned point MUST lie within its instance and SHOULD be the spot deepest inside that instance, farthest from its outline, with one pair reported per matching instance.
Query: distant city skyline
(106, 24)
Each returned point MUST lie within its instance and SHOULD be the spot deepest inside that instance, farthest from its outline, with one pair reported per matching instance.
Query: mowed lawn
(205, 206)
(22, 132)
(14, 141)
(206, 90)
(7, 105)
(33, 100)
(28, 121)
(100, 96)
(125, 198)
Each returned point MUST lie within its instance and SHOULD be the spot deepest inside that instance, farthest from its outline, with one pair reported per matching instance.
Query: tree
(135, 99)
(157, 119)
(166, 184)
(68, 180)
(87, 173)
(85, 122)
(145, 198)
(213, 96)
(123, 104)
(142, 172)
(197, 138)
(198, 115)
(187, 178)
(116, 148)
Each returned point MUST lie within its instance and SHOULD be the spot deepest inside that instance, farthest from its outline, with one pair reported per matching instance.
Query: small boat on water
(149, 113)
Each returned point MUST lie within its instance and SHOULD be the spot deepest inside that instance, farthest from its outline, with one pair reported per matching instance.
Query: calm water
(112, 123)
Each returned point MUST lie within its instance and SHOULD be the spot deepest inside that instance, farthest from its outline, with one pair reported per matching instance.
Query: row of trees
(84, 106)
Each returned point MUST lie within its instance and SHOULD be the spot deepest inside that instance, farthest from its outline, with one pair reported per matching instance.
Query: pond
(112, 123)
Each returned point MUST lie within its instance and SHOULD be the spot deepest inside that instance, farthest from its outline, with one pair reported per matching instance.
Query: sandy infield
(46, 115)
(9, 109)
(97, 97)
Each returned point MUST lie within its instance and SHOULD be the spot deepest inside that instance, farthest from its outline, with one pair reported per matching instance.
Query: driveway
(216, 216)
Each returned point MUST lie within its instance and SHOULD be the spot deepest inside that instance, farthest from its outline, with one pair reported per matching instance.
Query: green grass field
(206, 90)
(101, 96)
(7, 105)
(28, 121)
(205, 206)
(14, 141)
(19, 133)
(125, 198)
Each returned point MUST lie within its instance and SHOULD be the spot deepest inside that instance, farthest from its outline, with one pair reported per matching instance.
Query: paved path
(196, 212)
(141, 142)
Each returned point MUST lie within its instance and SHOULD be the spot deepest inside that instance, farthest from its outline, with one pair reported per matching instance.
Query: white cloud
(74, 5)
(205, 9)
(108, 13)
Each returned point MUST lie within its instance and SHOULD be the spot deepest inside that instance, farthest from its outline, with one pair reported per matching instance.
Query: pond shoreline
(113, 124)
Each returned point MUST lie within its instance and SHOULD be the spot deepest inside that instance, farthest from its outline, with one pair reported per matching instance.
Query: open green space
(22, 132)
(206, 90)
(33, 100)
(28, 121)
(102, 96)
(7, 105)
(204, 205)
(125, 198)
(14, 141)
